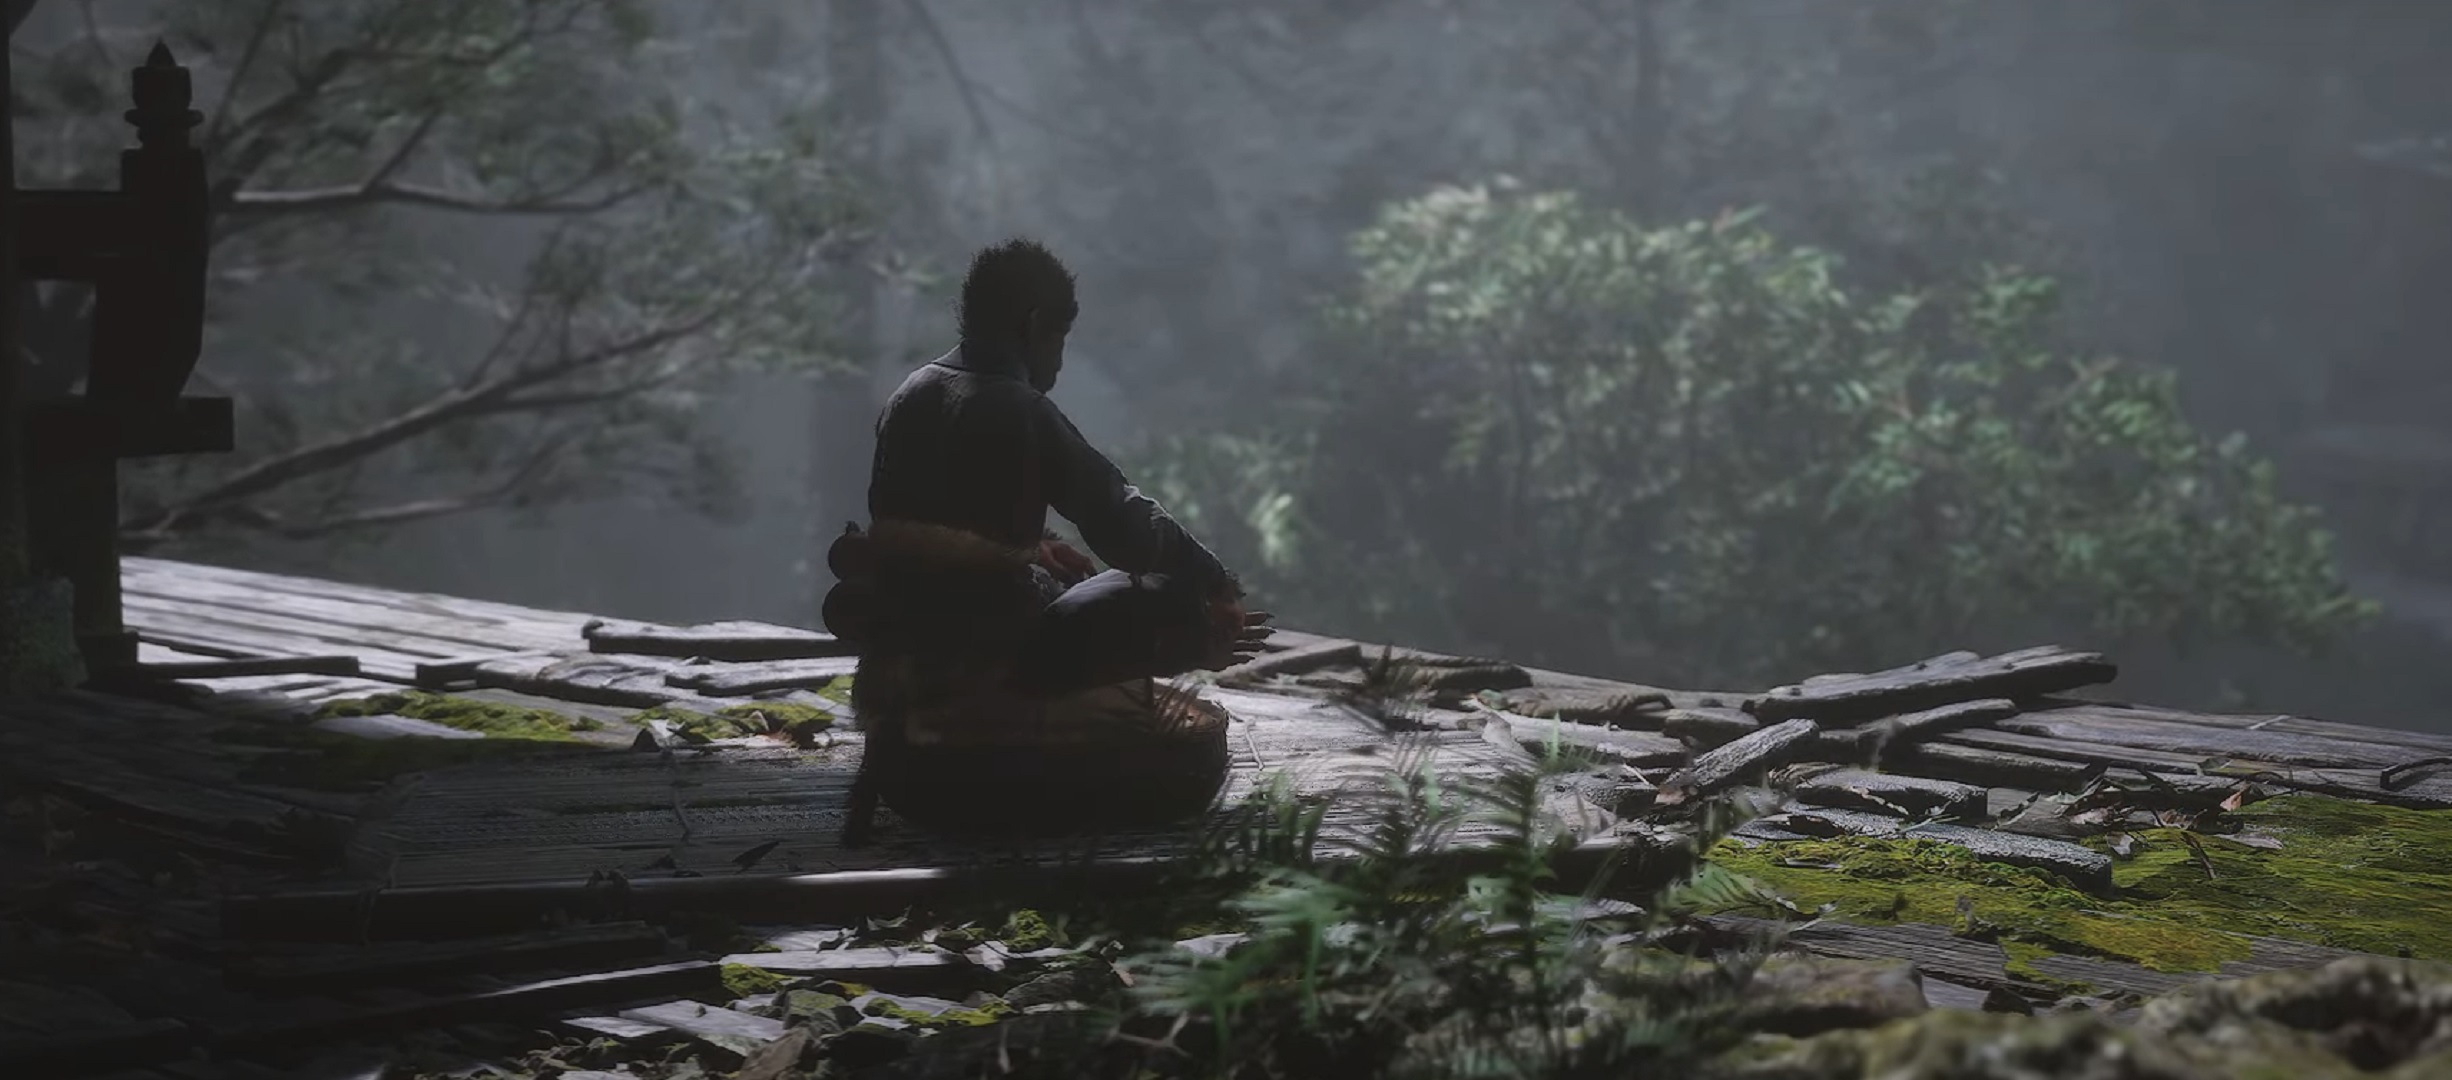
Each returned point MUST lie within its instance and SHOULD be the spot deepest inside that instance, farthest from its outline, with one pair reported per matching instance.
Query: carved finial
(162, 92)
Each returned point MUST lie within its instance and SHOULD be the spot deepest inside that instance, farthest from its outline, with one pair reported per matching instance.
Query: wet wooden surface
(179, 765)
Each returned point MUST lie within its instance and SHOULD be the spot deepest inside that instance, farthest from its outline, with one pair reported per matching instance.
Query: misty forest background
(1706, 343)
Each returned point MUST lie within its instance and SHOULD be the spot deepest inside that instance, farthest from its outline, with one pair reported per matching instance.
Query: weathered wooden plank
(1891, 793)
(632, 681)
(360, 620)
(1942, 680)
(2086, 724)
(240, 668)
(1993, 767)
(174, 575)
(738, 1032)
(1882, 737)
(2427, 792)
(334, 968)
(273, 618)
(2429, 741)
(439, 674)
(735, 680)
(1709, 728)
(2092, 753)
(237, 640)
(1589, 701)
(909, 971)
(1642, 749)
(1769, 748)
(732, 641)
(614, 1027)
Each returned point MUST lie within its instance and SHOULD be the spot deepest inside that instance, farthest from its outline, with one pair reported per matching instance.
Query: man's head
(1019, 296)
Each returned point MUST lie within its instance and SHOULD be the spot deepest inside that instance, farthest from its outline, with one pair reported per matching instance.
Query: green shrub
(1552, 432)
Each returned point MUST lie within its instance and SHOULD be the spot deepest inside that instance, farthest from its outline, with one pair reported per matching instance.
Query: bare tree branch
(93, 34)
(213, 129)
(371, 192)
(485, 399)
(168, 526)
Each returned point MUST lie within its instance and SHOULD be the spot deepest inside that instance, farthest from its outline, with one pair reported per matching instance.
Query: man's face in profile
(1043, 351)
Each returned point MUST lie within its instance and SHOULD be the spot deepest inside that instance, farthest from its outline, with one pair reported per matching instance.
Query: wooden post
(37, 649)
(144, 248)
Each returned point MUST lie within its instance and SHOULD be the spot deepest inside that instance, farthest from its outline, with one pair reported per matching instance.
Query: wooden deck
(629, 806)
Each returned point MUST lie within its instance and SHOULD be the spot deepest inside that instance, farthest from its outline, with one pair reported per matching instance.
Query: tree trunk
(845, 405)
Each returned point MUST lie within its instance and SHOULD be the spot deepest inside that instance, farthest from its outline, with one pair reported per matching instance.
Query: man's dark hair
(1009, 280)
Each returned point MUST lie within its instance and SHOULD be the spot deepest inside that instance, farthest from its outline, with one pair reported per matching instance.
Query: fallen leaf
(2122, 844)
(750, 858)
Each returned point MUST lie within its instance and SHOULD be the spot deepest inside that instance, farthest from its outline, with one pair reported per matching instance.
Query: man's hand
(1066, 562)
(1235, 635)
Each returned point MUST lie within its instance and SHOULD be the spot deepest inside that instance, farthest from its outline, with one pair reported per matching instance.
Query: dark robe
(967, 443)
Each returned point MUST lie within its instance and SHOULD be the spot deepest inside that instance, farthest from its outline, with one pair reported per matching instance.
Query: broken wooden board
(913, 971)
(739, 1032)
(636, 682)
(1642, 749)
(742, 679)
(731, 642)
(1859, 789)
(231, 669)
(1928, 684)
(1709, 728)
(1751, 756)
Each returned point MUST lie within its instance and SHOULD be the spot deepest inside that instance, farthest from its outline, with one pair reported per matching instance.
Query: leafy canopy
(1552, 432)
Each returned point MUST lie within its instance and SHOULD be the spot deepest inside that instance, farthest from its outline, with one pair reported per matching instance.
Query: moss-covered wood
(2344, 874)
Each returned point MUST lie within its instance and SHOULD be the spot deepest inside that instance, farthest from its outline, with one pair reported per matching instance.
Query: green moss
(2348, 875)
(799, 722)
(838, 691)
(489, 718)
(332, 761)
(992, 1011)
(1026, 930)
(742, 981)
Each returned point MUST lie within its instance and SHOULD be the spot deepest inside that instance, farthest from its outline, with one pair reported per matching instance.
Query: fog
(2227, 188)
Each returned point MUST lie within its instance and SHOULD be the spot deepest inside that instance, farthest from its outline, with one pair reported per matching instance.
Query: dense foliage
(1392, 956)
(1552, 432)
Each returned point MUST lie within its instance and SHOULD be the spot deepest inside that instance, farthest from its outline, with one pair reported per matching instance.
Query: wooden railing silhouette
(143, 248)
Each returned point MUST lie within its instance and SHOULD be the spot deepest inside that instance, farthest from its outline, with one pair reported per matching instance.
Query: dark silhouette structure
(143, 250)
